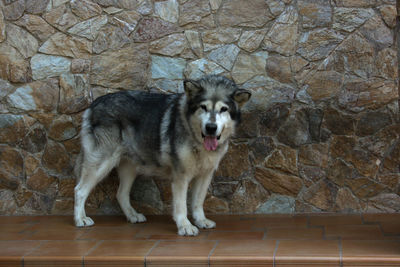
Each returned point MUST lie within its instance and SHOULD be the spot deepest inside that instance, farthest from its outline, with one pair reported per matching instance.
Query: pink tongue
(210, 143)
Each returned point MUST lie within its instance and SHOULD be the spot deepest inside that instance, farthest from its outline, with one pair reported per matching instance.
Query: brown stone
(391, 180)
(170, 45)
(346, 201)
(153, 28)
(278, 68)
(295, 131)
(356, 3)
(338, 123)
(13, 66)
(214, 205)
(13, 128)
(127, 21)
(283, 159)
(342, 146)
(14, 10)
(62, 129)
(235, 162)
(364, 188)
(314, 155)
(375, 31)
(365, 163)
(386, 63)
(321, 195)
(85, 9)
(74, 93)
(109, 37)
(22, 195)
(311, 174)
(63, 207)
(253, 14)
(73, 145)
(36, 6)
(8, 181)
(125, 68)
(66, 187)
(372, 122)
(80, 66)
(217, 38)
(360, 94)
(392, 161)
(2, 27)
(316, 13)
(35, 140)
(248, 197)
(317, 44)
(384, 202)
(251, 40)
(339, 172)
(11, 161)
(61, 18)
(56, 159)
(324, 84)
(7, 203)
(31, 164)
(260, 148)
(278, 182)
(273, 119)
(248, 126)
(40, 181)
(248, 66)
(44, 93)
(193, 11)
(37, 26)
(388, 13)
(65, 45)
(381, 143)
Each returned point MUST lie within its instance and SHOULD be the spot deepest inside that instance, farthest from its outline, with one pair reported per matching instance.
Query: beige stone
(74, 93)
(388, 13)
(193, 11)
(252, 14)
(278, 182)
(127, 21)
(346, 201)
(320, 195)
(23, 41)
(2, 27)
(170, 45)
(279, 68)
(251, 40)
(194, 39)
(61, 18)
(216, 38)
(14, 10)
(124, 68)
(37, 26)
(248, 197)
(85, 9)
(65, 45)
(248, 66)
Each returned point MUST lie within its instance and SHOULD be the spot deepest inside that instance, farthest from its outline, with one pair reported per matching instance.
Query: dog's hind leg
(199, 192)
(127, 175)
(91, 175)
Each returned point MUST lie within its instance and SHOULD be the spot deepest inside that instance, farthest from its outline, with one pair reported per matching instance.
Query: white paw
(205, 223)
(84, 222)
(188, 230)
(136, 218)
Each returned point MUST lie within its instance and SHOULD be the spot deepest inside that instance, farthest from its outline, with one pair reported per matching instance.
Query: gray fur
(165, 134)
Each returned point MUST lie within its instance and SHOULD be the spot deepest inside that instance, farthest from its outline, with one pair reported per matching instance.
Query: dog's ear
(241, 96)
(192, 88)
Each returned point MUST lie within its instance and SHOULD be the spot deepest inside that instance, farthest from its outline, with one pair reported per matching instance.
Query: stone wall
(321, 132)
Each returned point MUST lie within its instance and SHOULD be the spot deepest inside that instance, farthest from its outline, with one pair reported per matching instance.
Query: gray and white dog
(183, 135)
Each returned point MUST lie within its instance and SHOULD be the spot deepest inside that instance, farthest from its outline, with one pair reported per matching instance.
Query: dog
(181, 135)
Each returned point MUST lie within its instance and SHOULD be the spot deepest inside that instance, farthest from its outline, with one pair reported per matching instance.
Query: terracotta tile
(112, 221)
(371, 252)
(12, 252)
(233, 225)
(381, 217)
(243, 252)
(180, 253)
(308, 253)
(165, 231)
(335, 220)
(119, 253)
(15, 219)
(59, 253)
(235, 236)
(369, 232)
(110, 233)
(280, 221)
(57, 234)
(14, 231)
(294, 233)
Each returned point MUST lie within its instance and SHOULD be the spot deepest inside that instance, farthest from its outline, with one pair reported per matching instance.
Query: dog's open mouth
(210, 142)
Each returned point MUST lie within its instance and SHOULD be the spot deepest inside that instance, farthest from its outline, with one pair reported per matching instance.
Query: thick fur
(148, 133)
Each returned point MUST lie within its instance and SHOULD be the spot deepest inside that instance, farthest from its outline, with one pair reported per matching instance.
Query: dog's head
(214, 104)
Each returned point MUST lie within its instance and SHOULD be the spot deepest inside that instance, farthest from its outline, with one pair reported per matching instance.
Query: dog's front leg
(200, 188)
(179, 194)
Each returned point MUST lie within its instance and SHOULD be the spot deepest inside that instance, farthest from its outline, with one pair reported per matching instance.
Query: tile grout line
(98, 243)
(212, 251)
(148, 253)
(275, 251)
(30, 252)
(340, 252)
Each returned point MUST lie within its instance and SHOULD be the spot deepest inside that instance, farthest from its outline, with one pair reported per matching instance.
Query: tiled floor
(246, 240)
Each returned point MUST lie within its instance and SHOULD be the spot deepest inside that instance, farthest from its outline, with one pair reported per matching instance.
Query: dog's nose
(211, 128)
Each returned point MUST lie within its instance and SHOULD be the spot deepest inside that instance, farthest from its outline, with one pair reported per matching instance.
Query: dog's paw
(188, 230)
(136, 218)
(84, 222)
(205, 224)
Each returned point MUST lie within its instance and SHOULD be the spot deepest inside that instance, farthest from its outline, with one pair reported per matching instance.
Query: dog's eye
(223, 109)
(203, 107)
